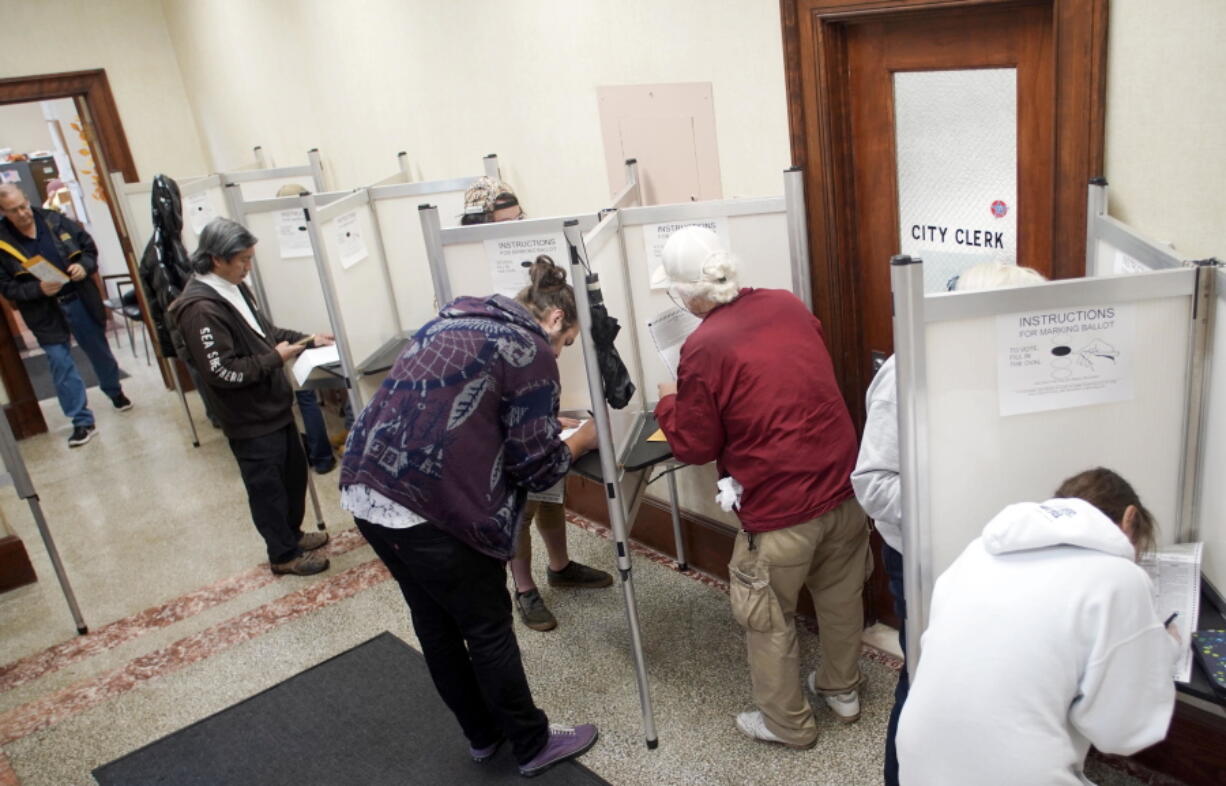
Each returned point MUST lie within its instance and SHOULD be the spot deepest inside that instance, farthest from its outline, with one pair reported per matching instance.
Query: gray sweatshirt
(875, 478)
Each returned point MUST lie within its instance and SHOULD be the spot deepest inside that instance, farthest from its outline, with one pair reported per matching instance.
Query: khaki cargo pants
(829, 555)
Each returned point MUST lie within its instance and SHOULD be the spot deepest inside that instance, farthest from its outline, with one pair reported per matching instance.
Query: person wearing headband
(489, 200)
(756, 394)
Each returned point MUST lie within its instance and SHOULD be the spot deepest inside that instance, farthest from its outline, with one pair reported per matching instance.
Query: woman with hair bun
(436, 471)
(489, 200)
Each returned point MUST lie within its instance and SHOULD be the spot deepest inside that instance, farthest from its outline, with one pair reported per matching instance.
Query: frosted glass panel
(957, 168)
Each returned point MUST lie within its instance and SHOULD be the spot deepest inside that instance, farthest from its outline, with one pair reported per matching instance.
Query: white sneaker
(753, 726)
(846, 706)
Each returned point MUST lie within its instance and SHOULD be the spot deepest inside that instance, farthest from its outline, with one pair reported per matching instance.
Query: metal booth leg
(678, 535)
(319, 515)
(174, 375)
(52, 552)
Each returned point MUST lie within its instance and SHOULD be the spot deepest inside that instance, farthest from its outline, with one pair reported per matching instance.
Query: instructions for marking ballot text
(1069, 357)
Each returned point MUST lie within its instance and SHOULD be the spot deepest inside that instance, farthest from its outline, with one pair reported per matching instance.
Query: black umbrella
(618, 389)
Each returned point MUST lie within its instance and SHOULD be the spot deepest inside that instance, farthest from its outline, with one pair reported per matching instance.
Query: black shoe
(576, 574)
(81, 435)
(533, 612)
(121, 403)
(325, 467)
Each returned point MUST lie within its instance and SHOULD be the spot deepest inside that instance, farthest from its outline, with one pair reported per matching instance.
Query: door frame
(815, 58)
(92, 88)
(814, 33)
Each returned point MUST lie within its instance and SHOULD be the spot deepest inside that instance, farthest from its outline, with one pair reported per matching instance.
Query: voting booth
(1003, 394)
(370, 265)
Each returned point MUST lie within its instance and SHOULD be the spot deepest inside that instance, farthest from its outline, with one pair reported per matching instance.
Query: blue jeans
(318, 446)
(893, 571)
(69, 387)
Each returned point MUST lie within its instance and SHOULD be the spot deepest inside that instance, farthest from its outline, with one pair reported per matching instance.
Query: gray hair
(997, 274)
(10, 188)
(221, 239)
(718, 283)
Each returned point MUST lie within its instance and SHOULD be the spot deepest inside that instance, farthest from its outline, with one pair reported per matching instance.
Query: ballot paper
(669, 330)
(1175, 571)
(305, 367)
(43, 270)
(557, 492)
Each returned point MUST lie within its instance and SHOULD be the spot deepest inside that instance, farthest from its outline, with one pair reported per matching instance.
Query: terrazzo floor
(185, 620)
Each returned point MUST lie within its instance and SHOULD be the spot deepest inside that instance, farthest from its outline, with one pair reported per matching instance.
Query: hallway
(185, 621)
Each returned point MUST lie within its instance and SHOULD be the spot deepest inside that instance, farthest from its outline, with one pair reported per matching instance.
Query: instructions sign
(293, 240)
(349, 240)
(511, 257)
(1072, 357)
(199, 210)
(656, 235)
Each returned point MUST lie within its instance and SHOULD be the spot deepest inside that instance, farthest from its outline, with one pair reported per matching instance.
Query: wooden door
(842, 60)
(878, 50)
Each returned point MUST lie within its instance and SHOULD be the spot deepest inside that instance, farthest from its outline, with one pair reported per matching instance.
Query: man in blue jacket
(55, 310)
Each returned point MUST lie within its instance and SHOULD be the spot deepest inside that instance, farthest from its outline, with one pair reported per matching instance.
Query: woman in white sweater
(1042, 640)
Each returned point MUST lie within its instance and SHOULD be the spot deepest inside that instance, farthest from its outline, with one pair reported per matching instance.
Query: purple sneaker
(565, 742)
(482, 755)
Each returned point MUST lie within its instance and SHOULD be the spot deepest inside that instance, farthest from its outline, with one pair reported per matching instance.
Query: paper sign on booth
(199, 210)
(292, 237)
(511, 257)
(1071, 357)
(656, 235)
(349, 240)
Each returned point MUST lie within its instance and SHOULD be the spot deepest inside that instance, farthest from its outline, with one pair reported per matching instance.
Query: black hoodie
(244, 373)
(164, 267)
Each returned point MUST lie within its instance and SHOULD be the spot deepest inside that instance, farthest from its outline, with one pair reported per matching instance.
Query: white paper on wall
(199, 211)
(510, 258)
(956, 137)
(292, 237)
(349, 239)
(656, 235)
(1072, 357)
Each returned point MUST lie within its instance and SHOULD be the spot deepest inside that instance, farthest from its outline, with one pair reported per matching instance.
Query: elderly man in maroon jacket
(756, 394)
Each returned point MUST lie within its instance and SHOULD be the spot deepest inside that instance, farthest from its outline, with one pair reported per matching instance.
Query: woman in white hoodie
(1042, 640)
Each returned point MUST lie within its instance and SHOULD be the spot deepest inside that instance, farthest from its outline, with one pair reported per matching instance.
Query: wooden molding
(99, 115)
(15, 567)
(708, 543)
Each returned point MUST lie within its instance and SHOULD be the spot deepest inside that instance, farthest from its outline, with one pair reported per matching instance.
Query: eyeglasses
(676, 300)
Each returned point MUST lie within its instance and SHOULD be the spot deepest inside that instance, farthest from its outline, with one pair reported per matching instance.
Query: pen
(1170, 619)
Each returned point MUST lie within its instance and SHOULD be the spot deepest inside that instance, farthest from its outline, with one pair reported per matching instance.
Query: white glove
(729, 495)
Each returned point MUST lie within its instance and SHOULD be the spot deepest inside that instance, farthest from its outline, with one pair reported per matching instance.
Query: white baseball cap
(686, 255)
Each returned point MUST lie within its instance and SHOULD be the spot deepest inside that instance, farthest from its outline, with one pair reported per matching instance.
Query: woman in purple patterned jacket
(435, 473)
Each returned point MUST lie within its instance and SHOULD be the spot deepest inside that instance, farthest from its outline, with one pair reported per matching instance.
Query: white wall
(451, 80)
(23, 128)
(1166, 121)
(129, 39)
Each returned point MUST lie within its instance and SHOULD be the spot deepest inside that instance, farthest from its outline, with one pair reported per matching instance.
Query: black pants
(461, 611)
(894, 571)
(274, 471)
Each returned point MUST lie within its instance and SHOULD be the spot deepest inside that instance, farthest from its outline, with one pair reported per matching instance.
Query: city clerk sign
(961, 236)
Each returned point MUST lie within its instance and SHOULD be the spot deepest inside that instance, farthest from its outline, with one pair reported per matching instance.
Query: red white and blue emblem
(999, 208)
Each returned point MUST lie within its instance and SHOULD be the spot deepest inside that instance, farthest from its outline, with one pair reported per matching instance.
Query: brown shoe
(303, 565)
(312, 540)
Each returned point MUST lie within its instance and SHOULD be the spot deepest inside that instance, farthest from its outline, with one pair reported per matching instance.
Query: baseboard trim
(16, 569)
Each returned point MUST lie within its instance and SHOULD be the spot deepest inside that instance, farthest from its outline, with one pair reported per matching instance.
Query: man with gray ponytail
(756, 394)
(239, 355)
